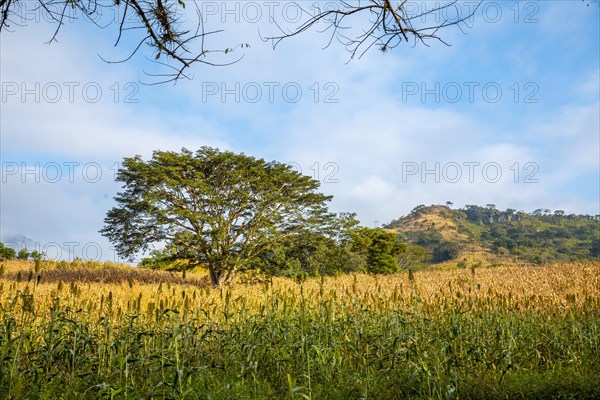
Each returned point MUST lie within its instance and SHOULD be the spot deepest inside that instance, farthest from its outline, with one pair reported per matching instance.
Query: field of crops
(489, 333)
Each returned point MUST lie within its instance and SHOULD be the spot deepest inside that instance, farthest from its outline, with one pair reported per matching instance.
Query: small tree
(445, 251)
(23, 254)
(379, 247)
(7, 253)
(35, 255)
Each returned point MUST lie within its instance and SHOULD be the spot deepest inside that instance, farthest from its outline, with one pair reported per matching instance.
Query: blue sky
(509, 114)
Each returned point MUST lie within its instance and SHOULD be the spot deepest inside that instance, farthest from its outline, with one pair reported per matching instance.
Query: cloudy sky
(509, 114)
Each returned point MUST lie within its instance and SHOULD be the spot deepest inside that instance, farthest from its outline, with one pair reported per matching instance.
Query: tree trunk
(215, 277)
(220, 271)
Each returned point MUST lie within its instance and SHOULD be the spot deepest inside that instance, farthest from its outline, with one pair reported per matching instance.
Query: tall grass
(528, 332)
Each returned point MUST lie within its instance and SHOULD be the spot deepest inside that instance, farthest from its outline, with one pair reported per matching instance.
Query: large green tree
(215, 208)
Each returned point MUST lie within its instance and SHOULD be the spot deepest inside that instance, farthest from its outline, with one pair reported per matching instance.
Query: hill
(486, 234)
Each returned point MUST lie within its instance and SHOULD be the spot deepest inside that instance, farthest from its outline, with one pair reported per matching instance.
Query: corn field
(486, 333)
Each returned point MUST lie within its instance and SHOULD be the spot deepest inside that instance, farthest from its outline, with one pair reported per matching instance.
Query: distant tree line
(8, 253)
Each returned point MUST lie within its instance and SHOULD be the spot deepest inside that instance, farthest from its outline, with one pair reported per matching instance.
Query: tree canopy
(215, 208)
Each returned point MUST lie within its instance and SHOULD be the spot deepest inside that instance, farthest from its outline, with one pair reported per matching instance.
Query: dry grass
(91, 272)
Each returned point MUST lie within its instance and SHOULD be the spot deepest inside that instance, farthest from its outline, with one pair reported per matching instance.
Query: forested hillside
(476, 233)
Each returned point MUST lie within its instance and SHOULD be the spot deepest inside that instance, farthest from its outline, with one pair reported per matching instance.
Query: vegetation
(506, 332)
(311, 315)
(212, 208)
(230, 212)
(445, 251)
(379, 248)
(413, 258)
(7, 253)
(356, 249)
(538, 237)
(23, 254)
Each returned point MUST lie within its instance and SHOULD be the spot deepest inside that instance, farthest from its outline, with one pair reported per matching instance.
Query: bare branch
(389, 24)
(358, 25)
(162, 21)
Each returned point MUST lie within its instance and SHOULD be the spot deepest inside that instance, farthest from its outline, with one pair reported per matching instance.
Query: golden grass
(551, 287)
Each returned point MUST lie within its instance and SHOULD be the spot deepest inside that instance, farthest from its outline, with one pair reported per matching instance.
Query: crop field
(487, 333)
